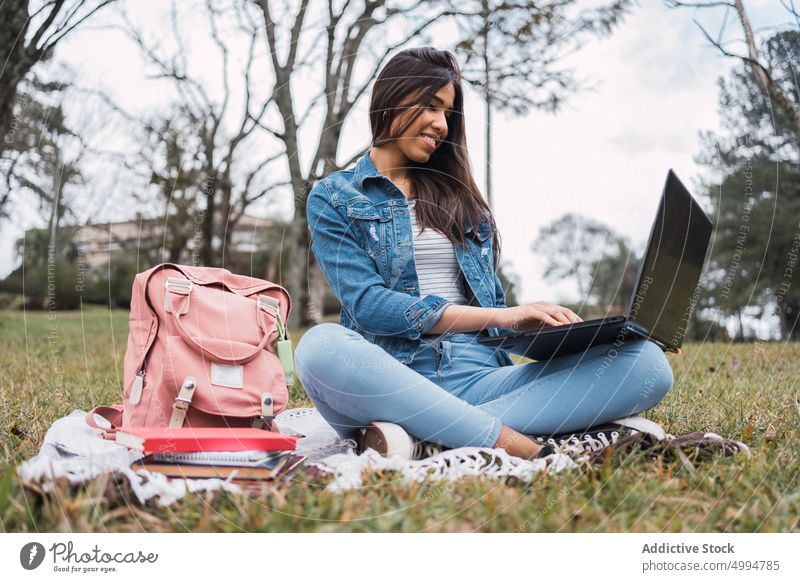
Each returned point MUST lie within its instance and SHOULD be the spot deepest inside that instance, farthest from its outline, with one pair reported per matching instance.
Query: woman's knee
(318, 344)
(655, 372)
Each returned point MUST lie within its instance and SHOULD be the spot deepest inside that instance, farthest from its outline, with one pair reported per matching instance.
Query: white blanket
(74, 450)
(449, 465)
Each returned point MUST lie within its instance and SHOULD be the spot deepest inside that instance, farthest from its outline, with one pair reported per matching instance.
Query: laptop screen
(667, 290)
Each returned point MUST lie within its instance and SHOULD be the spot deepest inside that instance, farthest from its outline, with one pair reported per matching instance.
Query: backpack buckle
(179, 286)
(265, 420)
(268, 304)
(182, 402)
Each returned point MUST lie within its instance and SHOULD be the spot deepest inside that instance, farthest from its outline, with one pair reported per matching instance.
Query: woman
(408, 245)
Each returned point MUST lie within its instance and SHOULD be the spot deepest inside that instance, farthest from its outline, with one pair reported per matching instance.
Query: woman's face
(426, 133)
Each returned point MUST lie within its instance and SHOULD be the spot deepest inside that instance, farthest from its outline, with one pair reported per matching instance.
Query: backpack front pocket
(224, 388)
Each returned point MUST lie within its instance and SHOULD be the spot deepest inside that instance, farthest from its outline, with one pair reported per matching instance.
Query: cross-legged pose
(409, 247)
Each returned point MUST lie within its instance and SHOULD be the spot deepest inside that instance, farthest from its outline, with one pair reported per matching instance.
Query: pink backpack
(205, 348)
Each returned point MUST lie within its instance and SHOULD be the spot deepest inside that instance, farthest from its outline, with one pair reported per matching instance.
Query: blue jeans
(455, 392)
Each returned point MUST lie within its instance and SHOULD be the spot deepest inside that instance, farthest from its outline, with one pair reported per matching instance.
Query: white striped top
(438, 270)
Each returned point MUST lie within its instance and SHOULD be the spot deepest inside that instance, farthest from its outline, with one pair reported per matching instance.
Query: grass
(49, 367)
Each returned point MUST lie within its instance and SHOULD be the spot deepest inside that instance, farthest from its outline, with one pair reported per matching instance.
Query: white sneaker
(390, 439)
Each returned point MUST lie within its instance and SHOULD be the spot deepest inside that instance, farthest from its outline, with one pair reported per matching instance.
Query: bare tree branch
(711, 4)
(386, 54)
(760, 71)
(264, 163)
(65, 30)
(349, 51)
(311, 106)
(250, 199)
(295, 34)
(37, 36)
(790, 7)
(212, 21)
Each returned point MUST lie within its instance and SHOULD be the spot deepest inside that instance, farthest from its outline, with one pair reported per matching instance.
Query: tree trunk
(789, 313)
(13, 26)
(488, 90)
(772, 90)
(302, 262)
(207, 228)
(741, 324)
(489, 198)
(305, 277)
(226, 225)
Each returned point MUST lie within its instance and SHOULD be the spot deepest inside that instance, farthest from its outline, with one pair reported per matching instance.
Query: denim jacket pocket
(370, 223)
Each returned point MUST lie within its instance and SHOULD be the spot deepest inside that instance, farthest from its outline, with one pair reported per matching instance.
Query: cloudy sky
(605, 155)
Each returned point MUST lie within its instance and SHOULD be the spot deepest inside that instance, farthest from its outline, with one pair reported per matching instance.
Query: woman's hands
(535, 315)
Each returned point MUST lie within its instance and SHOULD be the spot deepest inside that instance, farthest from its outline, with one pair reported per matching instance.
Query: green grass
(745, 391)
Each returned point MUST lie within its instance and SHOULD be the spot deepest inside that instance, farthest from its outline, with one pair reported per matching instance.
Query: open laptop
(665, 291)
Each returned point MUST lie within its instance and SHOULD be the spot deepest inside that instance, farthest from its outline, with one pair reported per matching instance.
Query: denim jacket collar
(365, 168)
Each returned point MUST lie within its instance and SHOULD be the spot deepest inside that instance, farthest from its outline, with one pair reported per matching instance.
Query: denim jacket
(362, 239)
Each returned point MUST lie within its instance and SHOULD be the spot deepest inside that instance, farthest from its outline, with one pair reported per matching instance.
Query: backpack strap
(183, 288)
(106, 418)
(182, 402)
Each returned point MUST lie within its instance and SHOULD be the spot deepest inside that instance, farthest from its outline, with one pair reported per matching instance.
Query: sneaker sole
(642, 425)
(387, 439)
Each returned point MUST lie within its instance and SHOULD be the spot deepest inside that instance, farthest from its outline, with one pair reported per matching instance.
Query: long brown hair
(447, 196)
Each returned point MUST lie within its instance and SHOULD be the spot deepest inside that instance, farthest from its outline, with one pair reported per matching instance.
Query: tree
(512, 52)
(509, 281)
(572, 247)
(176, 174)
(614, 279)
(599, 261)
(760, 106)
(199, 156)
(762, 68)
(754, 192)
(362, 38)
(47, 276)
(29, 33)
(44, 159)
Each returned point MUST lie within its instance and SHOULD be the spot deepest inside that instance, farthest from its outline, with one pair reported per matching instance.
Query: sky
(605, 154)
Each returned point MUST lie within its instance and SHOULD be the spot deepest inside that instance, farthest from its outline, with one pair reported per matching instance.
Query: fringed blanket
(75, 451)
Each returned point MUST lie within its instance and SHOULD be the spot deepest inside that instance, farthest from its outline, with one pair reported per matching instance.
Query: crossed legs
(354, 382)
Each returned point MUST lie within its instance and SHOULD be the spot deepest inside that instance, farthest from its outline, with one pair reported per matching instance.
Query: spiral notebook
(226, 458)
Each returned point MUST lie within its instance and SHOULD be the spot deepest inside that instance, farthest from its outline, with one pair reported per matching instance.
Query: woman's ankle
(517, 444)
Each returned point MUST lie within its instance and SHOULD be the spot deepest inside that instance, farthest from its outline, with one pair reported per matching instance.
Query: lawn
(51, 366)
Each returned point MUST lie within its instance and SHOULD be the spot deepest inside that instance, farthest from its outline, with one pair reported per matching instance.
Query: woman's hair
(447, 196)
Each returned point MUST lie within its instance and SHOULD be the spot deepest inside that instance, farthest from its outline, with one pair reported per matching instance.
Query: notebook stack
(236, 454)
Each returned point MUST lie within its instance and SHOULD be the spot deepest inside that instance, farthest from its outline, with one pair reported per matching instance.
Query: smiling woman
(419, 140)
(409, 247)
(424, 127)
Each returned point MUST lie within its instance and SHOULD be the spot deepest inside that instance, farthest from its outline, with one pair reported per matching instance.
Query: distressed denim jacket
(362, 239)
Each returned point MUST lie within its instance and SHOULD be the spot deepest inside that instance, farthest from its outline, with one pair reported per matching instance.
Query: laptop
(665, 293)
